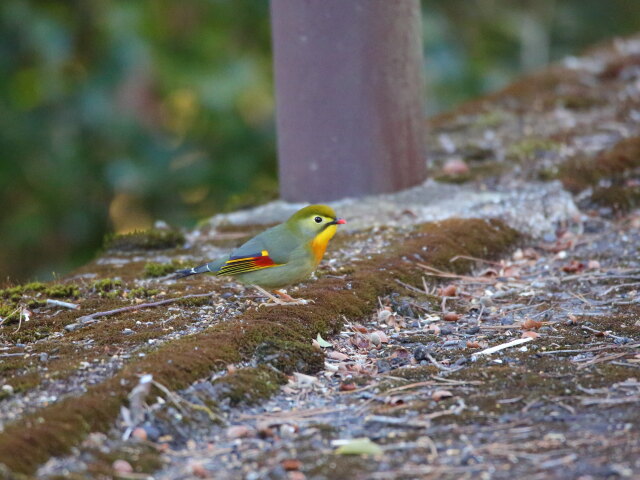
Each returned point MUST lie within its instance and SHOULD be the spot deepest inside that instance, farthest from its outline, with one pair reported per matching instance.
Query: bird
(280, 256)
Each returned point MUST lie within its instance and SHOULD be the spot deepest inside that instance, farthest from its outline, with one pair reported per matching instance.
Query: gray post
(349, 97)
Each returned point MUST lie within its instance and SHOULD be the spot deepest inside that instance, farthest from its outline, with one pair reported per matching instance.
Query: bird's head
(316, 220)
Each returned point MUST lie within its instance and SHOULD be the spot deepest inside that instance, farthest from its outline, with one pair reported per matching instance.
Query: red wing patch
(249, 263)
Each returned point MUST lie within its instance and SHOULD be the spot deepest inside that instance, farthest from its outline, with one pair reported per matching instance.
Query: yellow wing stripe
(235, 266)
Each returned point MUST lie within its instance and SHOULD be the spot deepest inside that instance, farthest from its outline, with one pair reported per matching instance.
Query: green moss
(54, 290)
(619, 198)
(249, 385)
(152, 269)
(289, 357)
(142, 292)
(62, 291)
(153, 239)
(532, 147)
(581, 172)
(105, 286)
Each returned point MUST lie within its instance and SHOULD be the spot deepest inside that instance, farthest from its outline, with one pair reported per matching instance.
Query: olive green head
(313, 220)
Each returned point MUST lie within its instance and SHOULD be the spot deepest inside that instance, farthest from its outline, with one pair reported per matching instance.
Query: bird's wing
(271, 248)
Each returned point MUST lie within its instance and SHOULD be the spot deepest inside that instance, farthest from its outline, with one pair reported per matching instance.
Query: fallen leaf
(451, 317)
(301, 380)
(471, 344)
(322, 342)
(359, 446)
(434, 328)
(383, 336)
(347, 387)
(441, 395)
(139, 434)
(333, 355)
(511, 271)
(122, 466)
(488, 273)
(530, 324)
(199, 471)
(239, 431)
(359, 328)
(530, 254)
(533, 335)
(360, 341)
(291, 464)
(449, 291)
(401, 353)
(573, 267)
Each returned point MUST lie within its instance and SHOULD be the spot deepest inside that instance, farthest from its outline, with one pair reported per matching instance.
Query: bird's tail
(193, 271)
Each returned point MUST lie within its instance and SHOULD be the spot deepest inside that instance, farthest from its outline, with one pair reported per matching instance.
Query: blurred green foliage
(114, 113)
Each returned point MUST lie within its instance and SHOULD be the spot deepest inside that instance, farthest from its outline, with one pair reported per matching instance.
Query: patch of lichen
(152, 239)
(153, 269)
(107, 287)
(180, 362)
(289, 356)
(579, 173)
(250, 385)
(531, 147)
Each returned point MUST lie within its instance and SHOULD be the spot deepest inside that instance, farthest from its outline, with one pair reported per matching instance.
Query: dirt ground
(435, 348)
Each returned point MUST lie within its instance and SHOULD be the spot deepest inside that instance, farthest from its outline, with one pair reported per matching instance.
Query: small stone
(44, 357)
(139, 434)
(441, 395)
(622, 340)
(127, 331)
(198, 470)
(445, 331)
(451, 317)
(473, 330)
(7, 389)
(291, 464)
(153, 433)
(239, 431)
(455, 166)
(122, 466)
(421, 353)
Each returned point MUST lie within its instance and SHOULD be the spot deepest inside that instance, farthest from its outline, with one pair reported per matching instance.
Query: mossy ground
(189, 358)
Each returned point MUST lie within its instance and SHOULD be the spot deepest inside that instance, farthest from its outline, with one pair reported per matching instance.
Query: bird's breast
(320, 242)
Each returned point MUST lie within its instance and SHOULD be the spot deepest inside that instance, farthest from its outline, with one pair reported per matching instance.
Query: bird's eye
(318, 219)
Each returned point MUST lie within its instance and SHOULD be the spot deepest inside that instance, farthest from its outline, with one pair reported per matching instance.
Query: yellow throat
(319, 244)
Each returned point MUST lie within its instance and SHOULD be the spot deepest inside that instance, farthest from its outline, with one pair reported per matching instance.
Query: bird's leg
(284, 299)
(275, 300)
(290, 300)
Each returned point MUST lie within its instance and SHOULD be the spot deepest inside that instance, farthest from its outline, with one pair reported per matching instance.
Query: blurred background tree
(116, 113)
